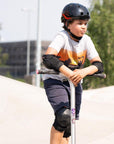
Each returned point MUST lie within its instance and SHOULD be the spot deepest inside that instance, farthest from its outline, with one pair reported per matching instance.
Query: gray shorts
(58, 94)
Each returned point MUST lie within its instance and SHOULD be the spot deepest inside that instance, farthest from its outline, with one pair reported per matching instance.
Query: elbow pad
(52, 62)
(99, 65)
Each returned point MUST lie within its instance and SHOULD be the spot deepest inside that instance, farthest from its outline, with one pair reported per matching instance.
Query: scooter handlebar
(51, 71)
(100, 75)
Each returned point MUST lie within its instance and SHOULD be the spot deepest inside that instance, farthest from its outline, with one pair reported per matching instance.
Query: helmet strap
(71, 34)
(74, 36)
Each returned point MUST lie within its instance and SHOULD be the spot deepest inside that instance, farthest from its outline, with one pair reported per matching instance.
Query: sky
(18, 25)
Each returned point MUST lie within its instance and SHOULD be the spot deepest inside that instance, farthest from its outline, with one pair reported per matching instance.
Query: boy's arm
(96, 66)
(63, 69)
(93, 67)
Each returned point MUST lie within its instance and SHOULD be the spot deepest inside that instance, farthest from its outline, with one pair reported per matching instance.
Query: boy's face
(78, 27)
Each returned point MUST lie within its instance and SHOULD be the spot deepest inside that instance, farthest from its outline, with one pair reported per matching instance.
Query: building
(17, 57)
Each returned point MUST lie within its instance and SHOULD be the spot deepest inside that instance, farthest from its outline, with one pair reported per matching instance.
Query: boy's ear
(68, 26)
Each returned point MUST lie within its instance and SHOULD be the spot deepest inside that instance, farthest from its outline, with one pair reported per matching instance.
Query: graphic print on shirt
(72, 58)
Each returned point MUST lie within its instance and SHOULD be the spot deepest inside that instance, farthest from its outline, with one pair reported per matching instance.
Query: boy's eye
(80, 23)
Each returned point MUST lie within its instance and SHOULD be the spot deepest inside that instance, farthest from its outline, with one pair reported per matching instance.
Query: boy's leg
(57, 137)
(65, 141)
(58, 96)
(78, 93)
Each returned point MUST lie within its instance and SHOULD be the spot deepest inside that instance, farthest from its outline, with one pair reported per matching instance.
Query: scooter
(72, 87)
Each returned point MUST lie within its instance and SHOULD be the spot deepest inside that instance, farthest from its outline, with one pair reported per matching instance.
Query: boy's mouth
(82, 32)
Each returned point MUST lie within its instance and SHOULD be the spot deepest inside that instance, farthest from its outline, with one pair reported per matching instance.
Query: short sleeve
(58, 42)
(91, 51)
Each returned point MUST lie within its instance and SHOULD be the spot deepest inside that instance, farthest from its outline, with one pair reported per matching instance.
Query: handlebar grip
(100, 75)
(47, 71)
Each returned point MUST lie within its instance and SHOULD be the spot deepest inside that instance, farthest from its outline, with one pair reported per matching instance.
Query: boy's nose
(84, 26)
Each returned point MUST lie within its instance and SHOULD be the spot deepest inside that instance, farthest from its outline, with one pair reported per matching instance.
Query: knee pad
(62, 119)
(67, 131)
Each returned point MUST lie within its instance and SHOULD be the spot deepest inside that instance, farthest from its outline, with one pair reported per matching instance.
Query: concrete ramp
(96, 124)
(26, 116)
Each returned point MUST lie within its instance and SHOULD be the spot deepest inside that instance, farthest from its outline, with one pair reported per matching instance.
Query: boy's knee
(62, 119)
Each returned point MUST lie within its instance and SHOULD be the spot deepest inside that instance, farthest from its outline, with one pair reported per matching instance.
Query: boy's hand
(77, 75)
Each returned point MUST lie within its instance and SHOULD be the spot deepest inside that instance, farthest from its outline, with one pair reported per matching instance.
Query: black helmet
(75, 11)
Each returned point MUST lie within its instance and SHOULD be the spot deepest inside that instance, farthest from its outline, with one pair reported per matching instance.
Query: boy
(67, 54)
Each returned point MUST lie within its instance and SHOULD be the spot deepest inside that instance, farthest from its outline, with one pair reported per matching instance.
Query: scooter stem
(73, 111)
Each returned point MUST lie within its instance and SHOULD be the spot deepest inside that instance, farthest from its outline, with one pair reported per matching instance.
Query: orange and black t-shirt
(72, 53)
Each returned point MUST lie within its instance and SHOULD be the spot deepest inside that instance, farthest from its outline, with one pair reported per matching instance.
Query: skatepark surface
(26, 115)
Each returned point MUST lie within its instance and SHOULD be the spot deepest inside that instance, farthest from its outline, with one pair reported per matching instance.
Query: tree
(101, 30)
(0, 29)
(3, 57)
